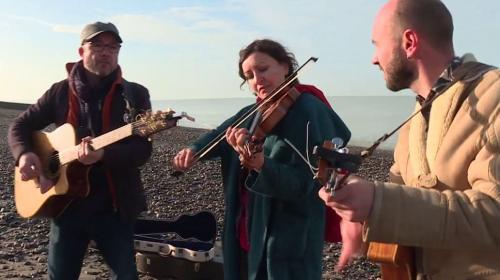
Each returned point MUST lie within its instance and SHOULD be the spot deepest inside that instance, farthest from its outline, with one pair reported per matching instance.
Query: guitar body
(396, 262)
(70, 180)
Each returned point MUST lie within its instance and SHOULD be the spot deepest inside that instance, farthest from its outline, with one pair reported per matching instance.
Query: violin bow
(216, 140)
(203, 151)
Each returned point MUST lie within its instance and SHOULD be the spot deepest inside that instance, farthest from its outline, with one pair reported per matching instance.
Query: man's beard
(400, 73)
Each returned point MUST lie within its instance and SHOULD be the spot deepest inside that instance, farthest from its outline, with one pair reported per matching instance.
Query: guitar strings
(141, 120)
(56, 155)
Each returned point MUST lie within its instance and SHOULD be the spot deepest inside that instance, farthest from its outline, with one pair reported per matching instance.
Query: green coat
(286, 216)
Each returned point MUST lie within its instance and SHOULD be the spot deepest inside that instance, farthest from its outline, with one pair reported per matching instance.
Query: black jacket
(121, 159)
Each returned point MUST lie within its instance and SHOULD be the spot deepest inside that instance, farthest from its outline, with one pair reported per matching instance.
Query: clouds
(191, 46)
(55, 27)
(168, 30)
(198, 43)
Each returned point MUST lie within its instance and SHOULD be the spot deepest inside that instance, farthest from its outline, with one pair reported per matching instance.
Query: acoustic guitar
(58, 153)
(396, 261)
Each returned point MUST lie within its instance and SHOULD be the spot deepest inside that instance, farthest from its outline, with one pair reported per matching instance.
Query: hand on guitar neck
(31, 168)
(86, 153)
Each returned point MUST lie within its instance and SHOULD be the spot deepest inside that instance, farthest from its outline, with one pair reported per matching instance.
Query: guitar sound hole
(54, 165)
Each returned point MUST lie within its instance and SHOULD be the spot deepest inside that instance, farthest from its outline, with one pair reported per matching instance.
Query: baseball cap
(93, 29)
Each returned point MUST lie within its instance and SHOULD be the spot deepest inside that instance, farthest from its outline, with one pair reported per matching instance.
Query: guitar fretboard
(99, 142)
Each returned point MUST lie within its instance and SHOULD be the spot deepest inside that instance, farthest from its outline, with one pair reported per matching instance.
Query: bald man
(443, 200)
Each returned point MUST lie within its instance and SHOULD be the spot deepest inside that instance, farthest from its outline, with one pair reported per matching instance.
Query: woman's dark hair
(271, 48)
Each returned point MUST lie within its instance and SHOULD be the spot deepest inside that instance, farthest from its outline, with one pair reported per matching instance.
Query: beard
(400, 72)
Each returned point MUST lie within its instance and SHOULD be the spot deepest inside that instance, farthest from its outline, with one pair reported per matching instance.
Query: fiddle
(279, 97)
(267, 118)
(272, 114)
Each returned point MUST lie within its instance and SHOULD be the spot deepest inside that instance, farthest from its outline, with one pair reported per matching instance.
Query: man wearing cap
(94, 98)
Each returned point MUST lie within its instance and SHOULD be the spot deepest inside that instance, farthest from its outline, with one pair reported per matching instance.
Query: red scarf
(74, 112)
(74, 105)
(313, 91)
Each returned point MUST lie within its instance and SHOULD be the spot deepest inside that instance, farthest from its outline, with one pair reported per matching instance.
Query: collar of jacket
(74, 104)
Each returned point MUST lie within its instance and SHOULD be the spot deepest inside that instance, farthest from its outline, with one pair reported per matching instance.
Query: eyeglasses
(98, 47)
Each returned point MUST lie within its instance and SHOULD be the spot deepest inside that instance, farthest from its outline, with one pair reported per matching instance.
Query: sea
(368, 117)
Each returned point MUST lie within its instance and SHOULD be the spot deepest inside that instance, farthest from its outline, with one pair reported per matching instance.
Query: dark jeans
(70, 235)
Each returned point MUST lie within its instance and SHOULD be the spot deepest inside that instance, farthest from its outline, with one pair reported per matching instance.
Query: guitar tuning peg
(170, 111)
(185, 115)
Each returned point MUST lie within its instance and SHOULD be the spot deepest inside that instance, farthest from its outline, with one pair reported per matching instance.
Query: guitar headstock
(150, 123)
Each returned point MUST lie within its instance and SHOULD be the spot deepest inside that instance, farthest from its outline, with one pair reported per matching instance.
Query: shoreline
(24, 242)
(16, 106)
(13, 105)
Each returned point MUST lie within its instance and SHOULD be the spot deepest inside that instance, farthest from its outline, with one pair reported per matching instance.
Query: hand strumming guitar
(31, 168)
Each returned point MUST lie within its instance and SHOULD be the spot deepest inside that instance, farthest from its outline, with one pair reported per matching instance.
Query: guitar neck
(99, 142)
(111, 137)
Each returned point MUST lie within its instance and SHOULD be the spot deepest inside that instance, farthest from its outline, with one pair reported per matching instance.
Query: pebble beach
(24, 242)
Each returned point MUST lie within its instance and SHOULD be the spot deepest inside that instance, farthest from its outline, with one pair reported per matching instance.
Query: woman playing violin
(274, 220)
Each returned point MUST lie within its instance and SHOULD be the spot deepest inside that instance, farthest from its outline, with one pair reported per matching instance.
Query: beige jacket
(447, 202)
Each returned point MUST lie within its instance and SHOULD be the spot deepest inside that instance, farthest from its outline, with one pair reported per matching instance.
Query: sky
(189, 49)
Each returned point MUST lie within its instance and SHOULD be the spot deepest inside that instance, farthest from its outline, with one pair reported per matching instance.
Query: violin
(269, 111)
(267, 118)
(273, 113)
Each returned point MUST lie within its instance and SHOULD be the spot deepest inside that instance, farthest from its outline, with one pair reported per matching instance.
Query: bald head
(429, 18)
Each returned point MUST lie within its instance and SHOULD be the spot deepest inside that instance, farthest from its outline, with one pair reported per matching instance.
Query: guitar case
(184, 248)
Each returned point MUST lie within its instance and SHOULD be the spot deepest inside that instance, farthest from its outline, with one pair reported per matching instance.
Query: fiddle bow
(254, 109)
